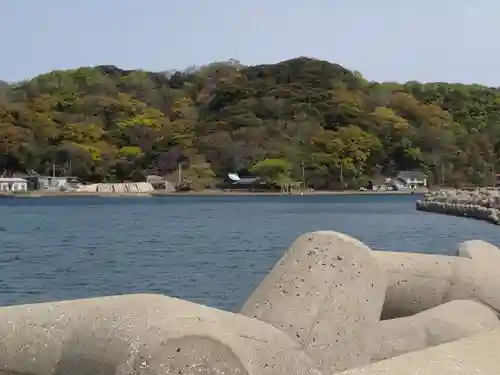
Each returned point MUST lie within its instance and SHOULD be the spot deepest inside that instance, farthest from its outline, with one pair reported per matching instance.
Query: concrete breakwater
(330, 305)
(481, 204)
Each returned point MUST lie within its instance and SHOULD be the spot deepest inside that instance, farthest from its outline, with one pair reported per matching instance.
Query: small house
(249, 184)
(411, 180)
(245, 181)
(54, 182)
(379, 183)
(160, 183)
(13, 184)
(235, 182)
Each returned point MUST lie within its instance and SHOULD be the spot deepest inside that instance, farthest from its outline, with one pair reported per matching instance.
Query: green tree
(273, 171)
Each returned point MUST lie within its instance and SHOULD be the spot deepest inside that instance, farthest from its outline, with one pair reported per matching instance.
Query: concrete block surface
(473, 355)
(416, 282)
(445, 323)
(476, 281)
(479, 250)
(327, 293)
(142, 334)
(317, 312)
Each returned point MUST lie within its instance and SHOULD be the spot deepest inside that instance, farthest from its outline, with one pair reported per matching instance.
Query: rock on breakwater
(317, 312)
(481, 204)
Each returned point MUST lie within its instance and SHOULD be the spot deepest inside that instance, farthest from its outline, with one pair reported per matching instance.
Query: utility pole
(341, 175)
(303, 173)
(493, 176)
(442, 173)
(179, 175)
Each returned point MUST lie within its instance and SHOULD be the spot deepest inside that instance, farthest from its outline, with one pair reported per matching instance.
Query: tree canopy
(298, 117)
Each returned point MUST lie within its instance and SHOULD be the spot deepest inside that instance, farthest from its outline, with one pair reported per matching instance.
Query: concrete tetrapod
(473, 355)
(142, 335)
(445, 323)
(479, 250)
(326, 292)
(417, 282)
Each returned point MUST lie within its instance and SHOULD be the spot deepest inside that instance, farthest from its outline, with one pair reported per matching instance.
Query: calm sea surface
(212, 250)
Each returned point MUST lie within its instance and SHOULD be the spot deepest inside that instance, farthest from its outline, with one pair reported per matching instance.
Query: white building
(412, 179)
(13, 184)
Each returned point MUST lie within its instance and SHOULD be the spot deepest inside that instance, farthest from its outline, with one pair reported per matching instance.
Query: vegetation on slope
(300, 116)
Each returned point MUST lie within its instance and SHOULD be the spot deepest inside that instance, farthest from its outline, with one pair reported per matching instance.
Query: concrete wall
(18, 186)
(132, 187)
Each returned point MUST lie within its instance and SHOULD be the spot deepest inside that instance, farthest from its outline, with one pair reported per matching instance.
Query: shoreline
(272, 194)
(205, 193)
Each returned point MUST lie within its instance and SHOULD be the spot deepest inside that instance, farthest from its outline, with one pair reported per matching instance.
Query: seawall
(330, 305)
(481, 204)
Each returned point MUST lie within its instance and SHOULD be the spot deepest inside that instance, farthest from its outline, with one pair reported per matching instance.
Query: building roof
(380, 180)
(246, 180)
(154, 178)
(233, 176)
(411, 175)
(68, 178)
(56, 176)
(21, 175)
(12, 179)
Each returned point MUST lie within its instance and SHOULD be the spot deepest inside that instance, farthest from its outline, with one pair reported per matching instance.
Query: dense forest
(298, 119)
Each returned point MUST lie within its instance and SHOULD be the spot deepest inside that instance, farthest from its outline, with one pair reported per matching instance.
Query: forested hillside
(104, 123)
(4, 86)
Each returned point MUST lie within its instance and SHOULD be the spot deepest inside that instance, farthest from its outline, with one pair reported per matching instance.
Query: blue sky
(386, 40)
